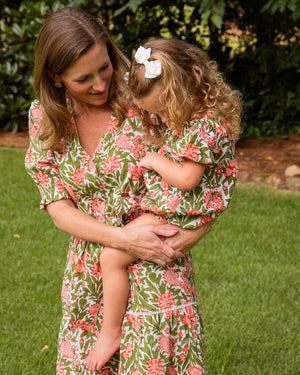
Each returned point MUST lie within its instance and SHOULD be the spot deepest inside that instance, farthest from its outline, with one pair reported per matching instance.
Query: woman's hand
(185, 239)
(147, 242)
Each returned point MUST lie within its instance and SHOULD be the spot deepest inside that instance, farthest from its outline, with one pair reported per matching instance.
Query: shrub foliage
(256, 44)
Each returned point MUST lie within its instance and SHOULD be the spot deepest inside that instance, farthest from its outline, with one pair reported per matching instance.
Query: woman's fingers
(144, 243)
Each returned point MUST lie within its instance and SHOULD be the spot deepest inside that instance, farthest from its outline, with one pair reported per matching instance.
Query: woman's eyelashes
(86, 78)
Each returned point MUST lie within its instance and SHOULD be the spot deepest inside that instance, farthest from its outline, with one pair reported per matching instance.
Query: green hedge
(262, 59)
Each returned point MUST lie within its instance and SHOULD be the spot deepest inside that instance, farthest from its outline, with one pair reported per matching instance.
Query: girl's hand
(147, 161)
(147, 242)
(185, 239)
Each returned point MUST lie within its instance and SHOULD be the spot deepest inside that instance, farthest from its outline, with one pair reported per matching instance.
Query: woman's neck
(91, 124)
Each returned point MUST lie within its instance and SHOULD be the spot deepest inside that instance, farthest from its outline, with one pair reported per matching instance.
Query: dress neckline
(112, 125)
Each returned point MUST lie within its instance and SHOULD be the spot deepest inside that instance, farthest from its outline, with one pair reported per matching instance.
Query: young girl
(193, 116)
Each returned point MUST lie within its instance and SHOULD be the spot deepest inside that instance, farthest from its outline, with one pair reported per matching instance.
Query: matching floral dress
(204, 141)
(162, 328)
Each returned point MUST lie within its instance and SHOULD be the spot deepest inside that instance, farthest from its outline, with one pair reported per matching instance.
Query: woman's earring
(58, 85)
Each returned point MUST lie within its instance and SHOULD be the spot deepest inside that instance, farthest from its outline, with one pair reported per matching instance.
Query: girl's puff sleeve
(197, 144)
(42, 165)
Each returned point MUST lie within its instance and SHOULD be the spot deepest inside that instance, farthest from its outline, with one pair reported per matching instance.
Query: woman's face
(87, 82)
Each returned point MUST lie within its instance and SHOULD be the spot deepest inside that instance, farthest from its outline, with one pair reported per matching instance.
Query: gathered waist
(175, 307)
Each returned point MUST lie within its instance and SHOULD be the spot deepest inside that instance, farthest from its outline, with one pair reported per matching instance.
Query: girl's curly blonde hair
(192, 87)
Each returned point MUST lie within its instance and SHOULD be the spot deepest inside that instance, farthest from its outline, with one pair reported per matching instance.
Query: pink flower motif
(136, 321)
(214, 201)
(135, 372)
(175, 156)
(190, 318)
(123, 142)
(97, 207)
(164, 344)
(177, 133)
(231, 169)
(28, 156)
(212, 142)
(81, 268)
(94, 309)
(34, 129)
(46, 164)
(79, 176)
(74, 258)
(195, 371)
(182, 357)
(130, 113)
(173, 203)
(127, 128)
(66, 349)
(172, 371)
(65, 291)
(37, 114)
(154, 208)
(135, 172)
(96, 270)
(60, 368)
(42, 178)
(193, 212)
(58, 184)
(165, 301)
(138, 147)
(128, 350)
(190, 151)
(77, 325)
(171, 278)
(99, 147)
(113, 125)
(205, 219)
(155, 367)
(112, 164)
(220, 130)
(164, 183)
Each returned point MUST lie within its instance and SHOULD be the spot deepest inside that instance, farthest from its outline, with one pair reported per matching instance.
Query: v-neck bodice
(107, 184)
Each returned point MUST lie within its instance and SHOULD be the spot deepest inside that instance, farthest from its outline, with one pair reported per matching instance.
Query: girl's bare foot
(106, 345)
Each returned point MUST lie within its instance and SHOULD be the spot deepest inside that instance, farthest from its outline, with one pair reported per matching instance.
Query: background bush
(256, 44)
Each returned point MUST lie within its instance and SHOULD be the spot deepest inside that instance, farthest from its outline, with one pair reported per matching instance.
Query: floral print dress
(204, 141)
(162, 328)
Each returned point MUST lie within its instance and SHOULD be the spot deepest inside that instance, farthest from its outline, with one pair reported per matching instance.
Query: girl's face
(153, 102)
(87, 82)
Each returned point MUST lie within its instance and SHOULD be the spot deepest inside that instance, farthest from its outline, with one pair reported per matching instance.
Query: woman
(85, 146)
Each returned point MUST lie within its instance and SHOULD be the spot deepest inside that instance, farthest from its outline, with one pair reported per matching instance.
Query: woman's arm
(141, 242)
(185, 239)
(185, 176)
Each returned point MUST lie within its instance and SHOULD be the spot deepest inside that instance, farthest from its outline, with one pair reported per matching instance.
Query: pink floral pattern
(162, 316)
(204, 141)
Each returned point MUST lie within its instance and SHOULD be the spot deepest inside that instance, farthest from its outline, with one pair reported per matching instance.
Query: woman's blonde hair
(65, 36)
(192, 86)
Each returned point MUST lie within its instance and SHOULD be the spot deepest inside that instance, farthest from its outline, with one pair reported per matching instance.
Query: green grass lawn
(247, 273)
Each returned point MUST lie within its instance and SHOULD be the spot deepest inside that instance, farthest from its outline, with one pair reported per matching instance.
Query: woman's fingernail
(174, 230)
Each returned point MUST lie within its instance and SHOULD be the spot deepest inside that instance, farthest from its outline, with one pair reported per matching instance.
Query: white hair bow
(153, 68)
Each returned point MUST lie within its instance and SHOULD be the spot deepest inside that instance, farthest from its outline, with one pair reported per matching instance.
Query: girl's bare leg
(113, 264)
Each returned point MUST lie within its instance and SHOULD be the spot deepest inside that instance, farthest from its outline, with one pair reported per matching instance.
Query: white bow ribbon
(153, 68)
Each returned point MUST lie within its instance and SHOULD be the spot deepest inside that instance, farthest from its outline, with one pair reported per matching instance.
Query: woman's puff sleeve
(41, 164)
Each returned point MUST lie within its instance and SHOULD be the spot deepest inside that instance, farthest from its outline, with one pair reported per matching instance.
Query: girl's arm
(185, 239)
(184, 176)
(141, 241)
